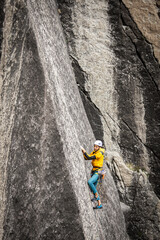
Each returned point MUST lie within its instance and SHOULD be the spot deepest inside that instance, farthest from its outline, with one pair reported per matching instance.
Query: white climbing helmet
(98, 143)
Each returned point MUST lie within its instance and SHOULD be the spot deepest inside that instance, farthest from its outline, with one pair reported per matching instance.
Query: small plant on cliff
(134, 167)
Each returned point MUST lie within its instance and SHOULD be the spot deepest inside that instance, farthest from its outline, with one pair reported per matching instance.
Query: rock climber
(97, 157)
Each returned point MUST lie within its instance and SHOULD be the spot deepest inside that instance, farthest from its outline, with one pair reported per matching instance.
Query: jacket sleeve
(87, 157)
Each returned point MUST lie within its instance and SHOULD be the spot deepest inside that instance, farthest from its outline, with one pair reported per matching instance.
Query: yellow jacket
(97, 158)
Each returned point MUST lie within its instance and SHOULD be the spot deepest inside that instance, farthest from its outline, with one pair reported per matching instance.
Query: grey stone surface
(140, 204)
(118, 73)
(88, 32)
(137, 82)
(120, 78)
(43, 178)
(146, 16)
(93, 113)
(1, 23)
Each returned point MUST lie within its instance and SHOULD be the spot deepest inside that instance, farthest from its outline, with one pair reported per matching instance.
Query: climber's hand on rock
(83, 150)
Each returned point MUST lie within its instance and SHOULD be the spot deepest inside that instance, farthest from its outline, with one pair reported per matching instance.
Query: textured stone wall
(1, 22)
(146, 16)
(114, 55)
(137, 79)
(142, 206)
(88, 33)
(121, 76)
(43, 178)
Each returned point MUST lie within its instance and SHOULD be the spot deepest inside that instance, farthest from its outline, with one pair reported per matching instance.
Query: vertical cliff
(44, 192)
(98, 76)
(114, 48)
(120, 75)
(138, 87)
(88, 32)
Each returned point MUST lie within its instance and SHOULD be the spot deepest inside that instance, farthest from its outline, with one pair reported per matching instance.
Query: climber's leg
(93, 183)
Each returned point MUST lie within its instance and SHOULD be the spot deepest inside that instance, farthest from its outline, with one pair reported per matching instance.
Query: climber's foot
(94, 199)
(98, 207)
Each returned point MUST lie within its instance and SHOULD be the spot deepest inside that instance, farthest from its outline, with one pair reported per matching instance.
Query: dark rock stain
(140, 68)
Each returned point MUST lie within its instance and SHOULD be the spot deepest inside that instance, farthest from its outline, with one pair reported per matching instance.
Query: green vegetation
(136, 168)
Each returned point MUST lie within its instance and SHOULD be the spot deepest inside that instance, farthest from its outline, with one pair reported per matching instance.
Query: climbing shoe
(94, 199)
(98, 207)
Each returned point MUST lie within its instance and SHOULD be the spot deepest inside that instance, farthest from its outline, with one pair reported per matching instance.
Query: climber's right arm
(88, 157)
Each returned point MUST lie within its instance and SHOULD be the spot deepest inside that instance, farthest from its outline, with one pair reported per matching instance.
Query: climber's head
(97, 145)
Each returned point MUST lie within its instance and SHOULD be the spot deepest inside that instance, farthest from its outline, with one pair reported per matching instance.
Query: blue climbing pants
(92, 182)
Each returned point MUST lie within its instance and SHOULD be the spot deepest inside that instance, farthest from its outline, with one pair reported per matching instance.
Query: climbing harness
(101, 174)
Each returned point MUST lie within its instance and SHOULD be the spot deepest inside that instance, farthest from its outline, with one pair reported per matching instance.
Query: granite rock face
(115, 59)
(45, 119)
(1, 23)
(146, 16)
(43, 176)
(120, 77)
(88, 32)
(137, 84)
(142, 206)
